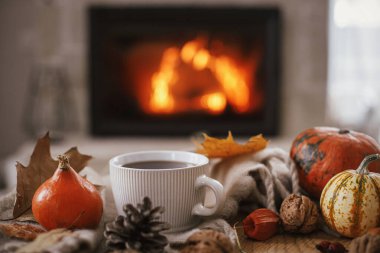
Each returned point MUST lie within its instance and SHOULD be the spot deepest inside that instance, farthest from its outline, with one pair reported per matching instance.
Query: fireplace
(178, 70)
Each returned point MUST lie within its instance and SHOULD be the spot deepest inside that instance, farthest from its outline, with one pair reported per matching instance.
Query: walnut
(299, 214)
(208, 241)
(368, 243)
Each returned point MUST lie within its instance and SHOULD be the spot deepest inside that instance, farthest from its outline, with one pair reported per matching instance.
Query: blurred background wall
(17, 23)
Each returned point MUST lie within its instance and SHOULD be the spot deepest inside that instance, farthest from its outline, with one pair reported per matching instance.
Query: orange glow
(188, 51)
(215, 103)
(230, 76)
(232, 80)
(201, 59)
(162, 100)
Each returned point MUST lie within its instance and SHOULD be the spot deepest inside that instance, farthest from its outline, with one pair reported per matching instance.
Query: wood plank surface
(287, 243)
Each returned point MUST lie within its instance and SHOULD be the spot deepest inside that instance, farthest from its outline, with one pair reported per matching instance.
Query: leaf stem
(237, 239)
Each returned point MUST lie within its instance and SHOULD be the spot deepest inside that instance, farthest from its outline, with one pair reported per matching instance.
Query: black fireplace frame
(101, 18)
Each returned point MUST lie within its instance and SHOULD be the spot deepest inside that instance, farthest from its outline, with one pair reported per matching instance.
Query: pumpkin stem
(63, 162)
(344, 131)
(366, 161)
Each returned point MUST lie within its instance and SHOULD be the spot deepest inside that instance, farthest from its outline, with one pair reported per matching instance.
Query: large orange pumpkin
(322, 152)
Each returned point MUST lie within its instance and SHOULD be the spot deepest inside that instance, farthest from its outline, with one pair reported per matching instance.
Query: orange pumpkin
(322, 152)
(67, 200)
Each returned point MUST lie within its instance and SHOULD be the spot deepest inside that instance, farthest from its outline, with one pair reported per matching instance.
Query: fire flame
(234, 89)
(162, 100)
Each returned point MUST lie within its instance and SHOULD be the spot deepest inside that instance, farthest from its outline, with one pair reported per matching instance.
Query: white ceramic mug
(178, 190)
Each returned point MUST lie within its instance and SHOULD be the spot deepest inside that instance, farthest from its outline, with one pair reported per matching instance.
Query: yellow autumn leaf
(221, 148)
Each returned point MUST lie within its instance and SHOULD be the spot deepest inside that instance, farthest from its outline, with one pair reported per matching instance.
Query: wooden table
(288, 243)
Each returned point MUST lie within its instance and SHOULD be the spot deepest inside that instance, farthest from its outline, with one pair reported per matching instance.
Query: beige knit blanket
(251, 181)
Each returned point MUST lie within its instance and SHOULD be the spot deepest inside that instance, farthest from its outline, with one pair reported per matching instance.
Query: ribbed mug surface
(174, 189)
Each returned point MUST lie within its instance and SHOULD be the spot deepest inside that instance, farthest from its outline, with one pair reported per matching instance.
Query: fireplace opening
(165, 71)
(203, 76)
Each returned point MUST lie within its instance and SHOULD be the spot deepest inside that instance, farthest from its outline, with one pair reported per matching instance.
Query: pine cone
(139, 229)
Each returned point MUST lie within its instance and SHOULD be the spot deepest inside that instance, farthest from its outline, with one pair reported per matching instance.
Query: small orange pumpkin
(350, 202)
(67, 200)
(322, 152)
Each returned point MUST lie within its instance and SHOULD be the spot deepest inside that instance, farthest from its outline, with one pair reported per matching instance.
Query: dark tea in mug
(158, 165)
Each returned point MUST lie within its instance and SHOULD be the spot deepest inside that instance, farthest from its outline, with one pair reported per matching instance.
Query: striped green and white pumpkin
(350, 201)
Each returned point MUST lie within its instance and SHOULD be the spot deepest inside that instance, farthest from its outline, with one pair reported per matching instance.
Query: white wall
(16, 24)
(60, 28)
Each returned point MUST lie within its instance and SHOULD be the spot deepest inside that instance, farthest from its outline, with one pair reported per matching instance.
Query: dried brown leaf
(222, 148)
(25, 231)
(41, 167)
(45, 240)
(27, 216)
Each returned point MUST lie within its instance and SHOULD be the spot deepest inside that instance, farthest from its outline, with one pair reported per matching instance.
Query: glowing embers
(203, 76)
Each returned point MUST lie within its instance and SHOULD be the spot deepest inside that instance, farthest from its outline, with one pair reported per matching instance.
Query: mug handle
(217, 188)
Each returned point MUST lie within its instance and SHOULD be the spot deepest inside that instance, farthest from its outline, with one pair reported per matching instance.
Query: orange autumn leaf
(221, 148)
